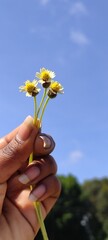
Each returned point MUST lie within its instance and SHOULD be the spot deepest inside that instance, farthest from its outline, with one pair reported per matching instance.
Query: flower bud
(51, 93)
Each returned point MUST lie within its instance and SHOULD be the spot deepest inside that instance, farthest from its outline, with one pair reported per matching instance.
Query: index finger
(16, 152)
(7, 138)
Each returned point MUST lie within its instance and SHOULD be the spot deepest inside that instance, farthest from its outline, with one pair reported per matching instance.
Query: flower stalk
(37, 205)
(42, 101)
(43, 109)
(35, 110)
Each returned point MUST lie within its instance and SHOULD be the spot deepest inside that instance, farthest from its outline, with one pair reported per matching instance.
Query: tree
(64, 222)
(78, 212)
(96, 191)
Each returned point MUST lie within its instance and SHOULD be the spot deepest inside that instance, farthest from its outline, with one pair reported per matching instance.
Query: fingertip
(2, 142)
(44, 144)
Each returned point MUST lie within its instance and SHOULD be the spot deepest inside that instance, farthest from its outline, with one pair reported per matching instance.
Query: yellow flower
(55, 87)
(30, 88)
(45, 77)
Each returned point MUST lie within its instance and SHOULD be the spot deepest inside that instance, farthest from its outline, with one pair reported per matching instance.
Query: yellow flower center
(45, 76)
(30, 87)
(55, 86)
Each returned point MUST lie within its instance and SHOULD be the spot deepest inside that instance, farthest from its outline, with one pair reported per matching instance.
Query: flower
(30, 88)
(55, 87)
(45, 77)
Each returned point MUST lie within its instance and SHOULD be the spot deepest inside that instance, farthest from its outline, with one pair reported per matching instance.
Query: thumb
(17, 151)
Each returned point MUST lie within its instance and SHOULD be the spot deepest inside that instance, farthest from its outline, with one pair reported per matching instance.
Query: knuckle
(46, 164)
(52, 163)
(11, 148)
(57, 186)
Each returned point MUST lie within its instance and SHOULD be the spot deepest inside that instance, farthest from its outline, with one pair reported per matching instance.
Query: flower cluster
(46, 79)
(51, 88)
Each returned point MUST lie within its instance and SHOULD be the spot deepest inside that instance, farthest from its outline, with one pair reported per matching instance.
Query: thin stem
(35, 110)
(37, 204)
(43, 110)
(31, 158)
(42, 100)
(35, 119)
(40, 219)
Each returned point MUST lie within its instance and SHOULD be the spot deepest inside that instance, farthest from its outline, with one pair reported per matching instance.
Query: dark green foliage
(67, 213)
(97, 192)
(81, 211)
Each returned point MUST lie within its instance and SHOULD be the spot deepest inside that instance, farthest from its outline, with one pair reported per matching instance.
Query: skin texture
(18, 218)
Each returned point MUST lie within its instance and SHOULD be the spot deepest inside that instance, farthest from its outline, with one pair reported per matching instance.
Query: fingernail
(24, 179)
(25, 129)
(46, 141)
(30, 175)
(37, 193)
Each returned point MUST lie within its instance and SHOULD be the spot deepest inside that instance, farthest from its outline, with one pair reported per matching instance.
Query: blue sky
(70, 38)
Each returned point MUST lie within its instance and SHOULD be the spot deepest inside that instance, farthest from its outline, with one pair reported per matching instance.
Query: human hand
(17, 214)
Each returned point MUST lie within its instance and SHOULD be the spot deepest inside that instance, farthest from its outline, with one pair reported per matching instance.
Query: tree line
(81, 212)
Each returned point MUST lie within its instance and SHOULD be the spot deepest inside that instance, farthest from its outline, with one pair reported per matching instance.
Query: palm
(18, 217)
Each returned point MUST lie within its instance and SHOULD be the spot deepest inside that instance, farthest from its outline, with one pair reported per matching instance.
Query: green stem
(37, 204)
(35, 110)
(38, 210)
(35, 119)
(41, 103)
(43, 110)
(40, 219)
(31, 158)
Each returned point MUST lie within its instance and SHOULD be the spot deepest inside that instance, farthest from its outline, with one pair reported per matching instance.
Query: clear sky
(69, 37)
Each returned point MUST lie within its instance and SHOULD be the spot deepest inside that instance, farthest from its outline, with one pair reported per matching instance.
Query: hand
(18, 219)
